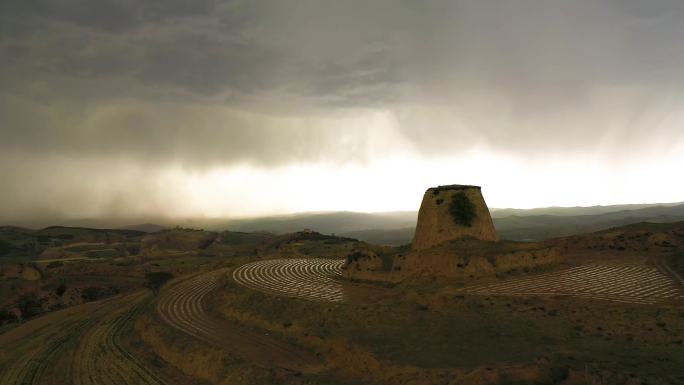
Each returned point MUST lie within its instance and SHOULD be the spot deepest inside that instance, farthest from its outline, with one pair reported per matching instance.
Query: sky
(207, 108)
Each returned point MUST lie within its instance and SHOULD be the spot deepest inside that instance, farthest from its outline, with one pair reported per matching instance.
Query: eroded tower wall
(436, 222)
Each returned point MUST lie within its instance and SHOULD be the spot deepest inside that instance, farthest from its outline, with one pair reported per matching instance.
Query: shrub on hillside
(155, 280)
(94, 293)
(61, 289)
(55, 264)
(91, 293)
(7, 317)
(5, 247)
(29, 305)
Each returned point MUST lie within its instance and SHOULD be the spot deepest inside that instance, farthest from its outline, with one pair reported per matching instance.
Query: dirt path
(181, 306)
(30, 361)
(79, 345)
(101, 359)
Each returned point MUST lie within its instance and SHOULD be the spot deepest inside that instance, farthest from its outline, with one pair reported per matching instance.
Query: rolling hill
(397, 228)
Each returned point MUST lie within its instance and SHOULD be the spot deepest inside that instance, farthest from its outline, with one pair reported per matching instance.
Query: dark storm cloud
(103, 15)
(231, 47)
(171, 132)
(206, 82)
(135, 85)
(206, 66)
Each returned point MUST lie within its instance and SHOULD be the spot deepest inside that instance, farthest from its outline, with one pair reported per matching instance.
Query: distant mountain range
(539, 227)
(145, 227)
(339, 223)
(578, 210)
(397, 228)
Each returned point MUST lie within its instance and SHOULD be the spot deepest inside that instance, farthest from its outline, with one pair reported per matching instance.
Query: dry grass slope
(622, 283)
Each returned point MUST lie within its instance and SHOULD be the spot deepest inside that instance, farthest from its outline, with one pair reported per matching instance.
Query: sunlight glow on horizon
(398, 183)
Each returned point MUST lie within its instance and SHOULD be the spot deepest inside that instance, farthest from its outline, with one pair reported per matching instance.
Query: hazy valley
(192, 306)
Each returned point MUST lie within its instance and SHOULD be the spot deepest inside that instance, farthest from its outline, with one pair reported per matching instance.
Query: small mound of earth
(30, 273)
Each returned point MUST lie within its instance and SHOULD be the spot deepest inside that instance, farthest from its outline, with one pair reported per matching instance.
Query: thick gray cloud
(206, 83)
(102, 15)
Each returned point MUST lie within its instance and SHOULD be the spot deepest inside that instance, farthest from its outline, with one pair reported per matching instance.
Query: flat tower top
(452, 187)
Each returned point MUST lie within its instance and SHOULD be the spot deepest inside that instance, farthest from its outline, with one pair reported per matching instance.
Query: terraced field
(310, 279)
(181, 306)
(80, 345)
(316, 279)
(30, 363)
(101, 359)
(636, 284)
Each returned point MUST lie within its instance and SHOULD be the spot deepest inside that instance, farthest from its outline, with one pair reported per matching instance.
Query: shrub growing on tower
(462, 209)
